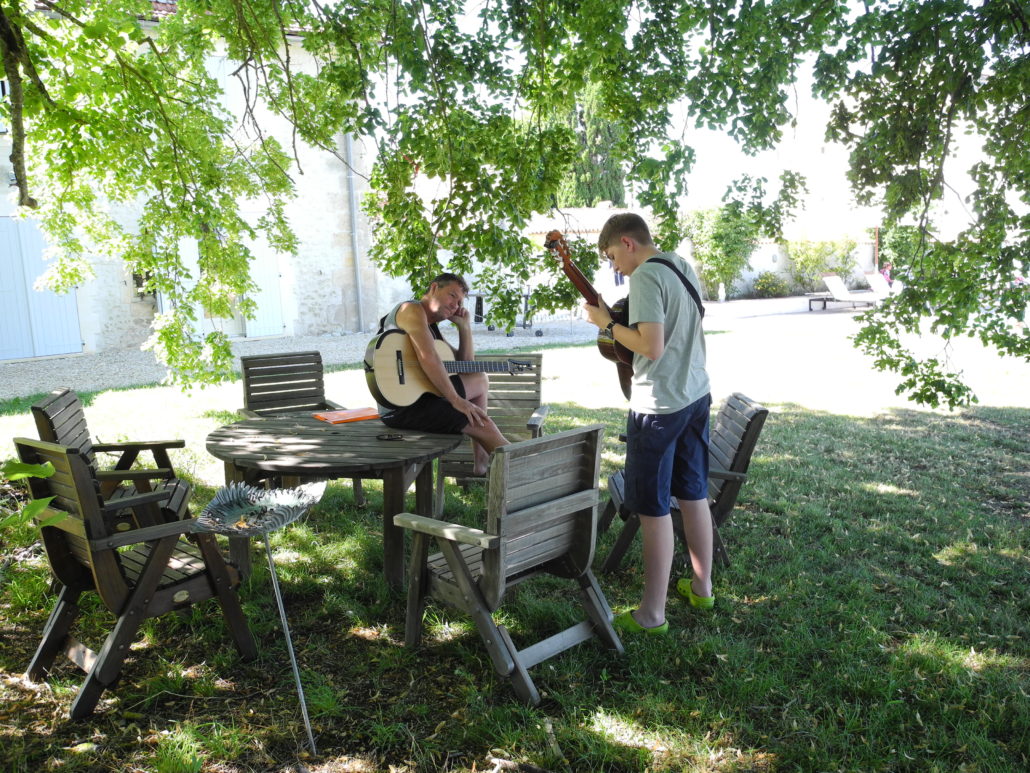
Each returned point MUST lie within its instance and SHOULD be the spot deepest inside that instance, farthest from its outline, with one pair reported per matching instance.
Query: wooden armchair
(60, 419)
(515, 406)
(288, 382)
(159, 573)
(541, 519)
(732, 441)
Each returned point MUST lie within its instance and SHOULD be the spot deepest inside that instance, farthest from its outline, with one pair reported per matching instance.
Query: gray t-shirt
(678, 377)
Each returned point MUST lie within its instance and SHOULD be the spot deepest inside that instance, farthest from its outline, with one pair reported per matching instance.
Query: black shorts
(430, 413)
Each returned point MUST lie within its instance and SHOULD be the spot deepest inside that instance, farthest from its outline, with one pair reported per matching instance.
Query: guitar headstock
(555, 242)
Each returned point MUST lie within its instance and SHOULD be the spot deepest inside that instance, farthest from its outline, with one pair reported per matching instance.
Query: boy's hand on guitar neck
(599, 315)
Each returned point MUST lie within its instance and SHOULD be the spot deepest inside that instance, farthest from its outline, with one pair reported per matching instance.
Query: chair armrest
(726, 474)
(145, 445)
(249, 414)
(535, 425)
(134, 500)
(161, 472)
(332, 406)
(145, 534)
(448, 531)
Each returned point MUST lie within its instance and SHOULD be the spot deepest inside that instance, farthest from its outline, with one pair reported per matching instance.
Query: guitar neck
(581, 282)
(476, 366)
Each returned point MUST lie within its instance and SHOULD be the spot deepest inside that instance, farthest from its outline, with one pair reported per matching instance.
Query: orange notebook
(348, 414)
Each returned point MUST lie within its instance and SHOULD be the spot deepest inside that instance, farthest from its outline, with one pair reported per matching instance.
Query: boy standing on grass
(667, 426)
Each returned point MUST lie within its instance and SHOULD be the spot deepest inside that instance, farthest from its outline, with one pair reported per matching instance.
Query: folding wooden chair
(159, 573)
(287, 382)
(541, 519)
(732, 441)
(514, 403)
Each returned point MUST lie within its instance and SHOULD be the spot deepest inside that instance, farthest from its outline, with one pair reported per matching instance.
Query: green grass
(875, 617)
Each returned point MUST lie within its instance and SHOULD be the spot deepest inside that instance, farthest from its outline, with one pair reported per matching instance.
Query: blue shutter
(34, 324)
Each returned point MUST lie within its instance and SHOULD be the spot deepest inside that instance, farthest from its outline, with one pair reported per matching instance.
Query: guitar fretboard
(482, 366)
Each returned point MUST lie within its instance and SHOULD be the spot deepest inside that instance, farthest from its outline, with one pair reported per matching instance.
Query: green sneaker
(626, 623)
(683, 587)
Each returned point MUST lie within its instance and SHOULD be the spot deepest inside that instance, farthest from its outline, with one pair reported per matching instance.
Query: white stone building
(328, 287)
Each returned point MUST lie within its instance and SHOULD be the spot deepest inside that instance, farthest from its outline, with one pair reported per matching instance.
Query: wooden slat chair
(61, 419)
(514, 403)
(287, 382)
(732, 442)
(159, 573)
(542, 500)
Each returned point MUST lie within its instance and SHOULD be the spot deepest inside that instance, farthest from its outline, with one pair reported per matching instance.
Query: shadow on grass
(874, 616)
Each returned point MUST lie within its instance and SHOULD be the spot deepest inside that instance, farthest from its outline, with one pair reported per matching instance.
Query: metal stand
(289, 644)
(239, 510)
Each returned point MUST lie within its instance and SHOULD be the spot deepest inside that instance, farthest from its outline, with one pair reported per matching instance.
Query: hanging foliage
(107, 109)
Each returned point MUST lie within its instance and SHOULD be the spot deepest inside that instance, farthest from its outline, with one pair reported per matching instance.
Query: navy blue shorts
(430, 413)
(667, 454)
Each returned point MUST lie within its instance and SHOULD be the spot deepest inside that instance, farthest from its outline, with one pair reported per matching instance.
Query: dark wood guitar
(396, 379)
(610, 348)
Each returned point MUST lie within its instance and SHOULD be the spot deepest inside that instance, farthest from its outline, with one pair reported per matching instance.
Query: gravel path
(132, 367)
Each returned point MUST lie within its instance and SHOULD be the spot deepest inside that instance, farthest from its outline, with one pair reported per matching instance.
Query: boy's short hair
(447, 278)
(624, 224)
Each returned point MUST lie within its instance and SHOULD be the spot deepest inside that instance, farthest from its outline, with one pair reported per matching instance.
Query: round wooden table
(297, 448)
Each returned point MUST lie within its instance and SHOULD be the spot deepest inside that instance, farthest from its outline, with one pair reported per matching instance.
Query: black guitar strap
(686, 283)
(434, 328)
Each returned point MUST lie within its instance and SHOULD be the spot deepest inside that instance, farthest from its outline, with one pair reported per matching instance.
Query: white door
(32, 323)
(268, 316)
(264, 271)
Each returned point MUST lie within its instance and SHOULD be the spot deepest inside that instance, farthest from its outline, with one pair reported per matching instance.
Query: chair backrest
(542, 501)
(280, 383)
(732, 442)
(836, 287)
(71, 543)
(514, 396)
(878, 284)
(60, 419)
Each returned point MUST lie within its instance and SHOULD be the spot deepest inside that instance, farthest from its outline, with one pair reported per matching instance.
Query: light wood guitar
(396, 379)
(610, 348)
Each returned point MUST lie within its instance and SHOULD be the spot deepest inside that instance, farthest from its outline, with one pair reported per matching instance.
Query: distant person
(667, 426)
(461, 405)
(886, 272)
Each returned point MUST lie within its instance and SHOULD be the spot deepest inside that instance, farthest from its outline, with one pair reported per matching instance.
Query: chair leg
(598, 611)
(521, 681)
(477, 609)
(607, 515)
(227, 598)
(418, 576)
(622, 543)
(108, 666)
(55, 633)
(616, 485)
(438, 497)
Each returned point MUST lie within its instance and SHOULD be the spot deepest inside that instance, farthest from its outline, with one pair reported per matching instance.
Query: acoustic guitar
(610, 348)
(396, 379)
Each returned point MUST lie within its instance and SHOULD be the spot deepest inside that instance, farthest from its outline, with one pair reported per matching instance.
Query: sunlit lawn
(875, 617)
